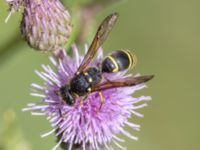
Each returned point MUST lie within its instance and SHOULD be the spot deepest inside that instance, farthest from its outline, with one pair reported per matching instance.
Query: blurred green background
(166, 38)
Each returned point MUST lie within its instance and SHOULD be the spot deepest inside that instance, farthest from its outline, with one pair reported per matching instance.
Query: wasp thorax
(81, 84)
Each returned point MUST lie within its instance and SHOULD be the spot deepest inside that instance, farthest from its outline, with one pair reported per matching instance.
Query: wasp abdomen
(118, 61)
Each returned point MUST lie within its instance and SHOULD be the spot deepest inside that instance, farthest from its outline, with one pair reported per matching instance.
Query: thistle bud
(45, 24)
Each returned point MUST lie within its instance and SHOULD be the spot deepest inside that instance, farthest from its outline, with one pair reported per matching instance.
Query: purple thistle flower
(85, 125)
(46, 24)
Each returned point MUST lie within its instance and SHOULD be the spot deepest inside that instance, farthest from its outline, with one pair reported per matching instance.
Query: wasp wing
(101, 35)
(124, 82)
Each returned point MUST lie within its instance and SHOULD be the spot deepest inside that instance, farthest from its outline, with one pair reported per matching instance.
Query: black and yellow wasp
(89, 79)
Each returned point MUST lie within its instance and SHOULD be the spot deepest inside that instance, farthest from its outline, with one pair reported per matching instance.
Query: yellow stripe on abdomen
(132, 58)
(116, 68)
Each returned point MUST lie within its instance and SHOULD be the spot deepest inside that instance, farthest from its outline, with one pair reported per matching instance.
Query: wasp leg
(82, 100)
(60, 113)
(101, 99)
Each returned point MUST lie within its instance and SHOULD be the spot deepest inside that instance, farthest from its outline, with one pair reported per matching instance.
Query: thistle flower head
(85, 125)
(46, 24)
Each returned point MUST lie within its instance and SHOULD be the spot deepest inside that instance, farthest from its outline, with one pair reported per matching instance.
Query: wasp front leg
(82, 99)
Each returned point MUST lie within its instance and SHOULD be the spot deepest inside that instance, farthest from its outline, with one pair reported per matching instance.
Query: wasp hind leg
(101, 99)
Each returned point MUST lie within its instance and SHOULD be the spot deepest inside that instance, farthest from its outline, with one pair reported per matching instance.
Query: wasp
(89, 79)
